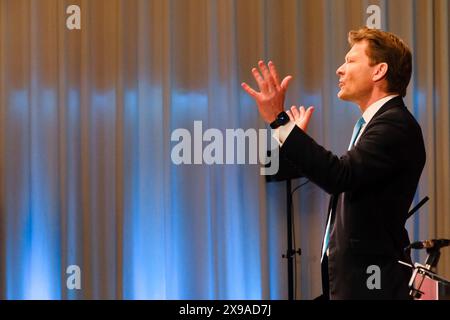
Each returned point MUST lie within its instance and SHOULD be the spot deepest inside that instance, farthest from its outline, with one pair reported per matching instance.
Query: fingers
(301, 116)
(289, 113)
(259, 80)
(302, 111)
(249, 90)
(307, 117)
(268, 82)
(309, 112)
(266, 74)
(295, 112)
(274, 73)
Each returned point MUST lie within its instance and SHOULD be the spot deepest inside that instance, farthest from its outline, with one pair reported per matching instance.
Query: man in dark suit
(372, 185)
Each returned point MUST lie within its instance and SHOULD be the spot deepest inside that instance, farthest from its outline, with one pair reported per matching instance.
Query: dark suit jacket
(372, 188)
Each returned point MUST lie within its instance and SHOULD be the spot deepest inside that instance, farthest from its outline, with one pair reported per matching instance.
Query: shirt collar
(374, 107)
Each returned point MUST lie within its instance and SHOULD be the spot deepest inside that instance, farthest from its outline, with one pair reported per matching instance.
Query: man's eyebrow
(348, 55)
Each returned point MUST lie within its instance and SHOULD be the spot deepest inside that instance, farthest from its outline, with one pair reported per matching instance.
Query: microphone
(430, 244)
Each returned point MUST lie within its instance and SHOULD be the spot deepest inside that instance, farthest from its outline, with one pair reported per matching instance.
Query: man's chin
(341, 95)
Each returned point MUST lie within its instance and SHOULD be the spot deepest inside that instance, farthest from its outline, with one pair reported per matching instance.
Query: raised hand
(300, 116)
(270, 98)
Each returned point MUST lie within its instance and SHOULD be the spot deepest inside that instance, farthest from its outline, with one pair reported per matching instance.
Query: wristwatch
(281, 120)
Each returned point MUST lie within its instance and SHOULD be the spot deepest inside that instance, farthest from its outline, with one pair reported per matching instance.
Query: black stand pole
(291, 252)
(289, 241)
(286, 175)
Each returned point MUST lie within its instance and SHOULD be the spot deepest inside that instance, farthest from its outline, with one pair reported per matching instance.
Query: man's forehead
(357, 49)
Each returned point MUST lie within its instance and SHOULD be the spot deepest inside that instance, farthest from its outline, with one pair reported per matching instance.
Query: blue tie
(355, 134)
(356, 131)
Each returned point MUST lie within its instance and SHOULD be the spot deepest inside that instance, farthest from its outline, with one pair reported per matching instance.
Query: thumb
(308, 114)
(307, 117)
(285, 83)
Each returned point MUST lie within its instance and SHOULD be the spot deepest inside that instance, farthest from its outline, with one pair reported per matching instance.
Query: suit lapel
(396, 102)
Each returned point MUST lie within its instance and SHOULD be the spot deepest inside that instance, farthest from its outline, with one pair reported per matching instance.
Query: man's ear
(380, 71)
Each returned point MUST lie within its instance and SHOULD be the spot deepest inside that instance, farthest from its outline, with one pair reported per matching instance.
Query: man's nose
(340, 70)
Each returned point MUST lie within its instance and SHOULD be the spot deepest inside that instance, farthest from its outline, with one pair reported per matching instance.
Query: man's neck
(374, 97)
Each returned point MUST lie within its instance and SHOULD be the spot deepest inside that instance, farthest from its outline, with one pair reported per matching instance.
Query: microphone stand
(291, 252)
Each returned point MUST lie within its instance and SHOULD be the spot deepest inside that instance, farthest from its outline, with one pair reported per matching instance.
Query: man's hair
(387, 47)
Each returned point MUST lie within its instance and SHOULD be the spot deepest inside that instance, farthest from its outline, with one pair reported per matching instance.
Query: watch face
(283, 117)
(281, 120)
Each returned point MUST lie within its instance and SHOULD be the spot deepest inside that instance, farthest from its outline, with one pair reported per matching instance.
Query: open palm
(270, 98)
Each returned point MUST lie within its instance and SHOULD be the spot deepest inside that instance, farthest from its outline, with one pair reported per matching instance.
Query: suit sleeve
(377, 156)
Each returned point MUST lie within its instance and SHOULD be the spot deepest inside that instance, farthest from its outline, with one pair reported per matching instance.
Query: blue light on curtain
(35, 248)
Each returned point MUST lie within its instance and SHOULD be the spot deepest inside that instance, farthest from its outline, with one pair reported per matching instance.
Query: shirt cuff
(281, 133)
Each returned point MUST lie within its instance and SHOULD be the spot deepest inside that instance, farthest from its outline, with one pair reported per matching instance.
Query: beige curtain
(86, 117)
